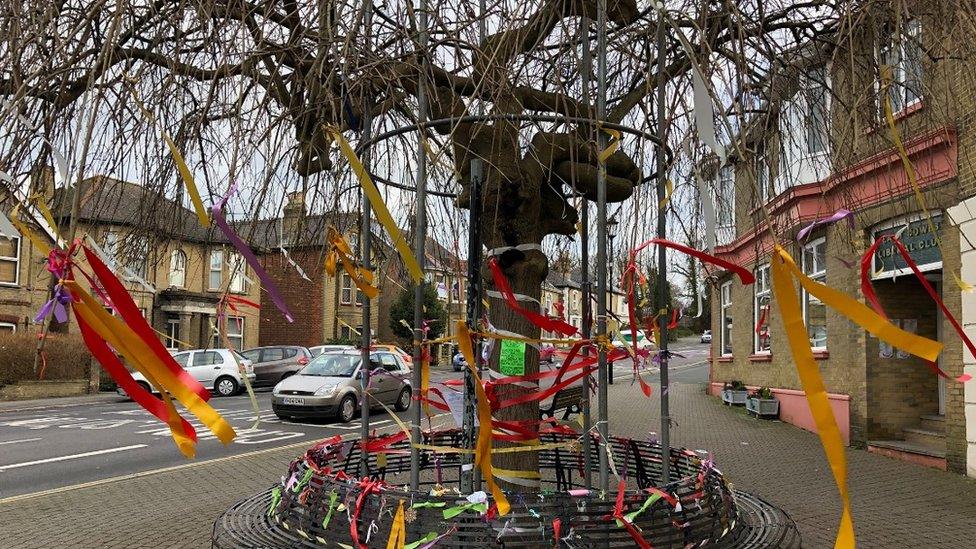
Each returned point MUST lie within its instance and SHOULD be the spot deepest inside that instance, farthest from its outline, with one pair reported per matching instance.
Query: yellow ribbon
(382, 213)
(425, 384)
(483, 446)
(910, 169)
(398, 532)
(668, 190)
(122, 338)
(784, 270)
(185, 174)
(340, 252)
(37, 200)
(611, 146)
(25, 230)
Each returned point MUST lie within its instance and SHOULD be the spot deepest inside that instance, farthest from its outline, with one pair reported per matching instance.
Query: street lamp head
(612, 227)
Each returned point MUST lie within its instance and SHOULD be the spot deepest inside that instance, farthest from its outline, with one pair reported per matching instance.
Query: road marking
(17, 441)
(73, 456)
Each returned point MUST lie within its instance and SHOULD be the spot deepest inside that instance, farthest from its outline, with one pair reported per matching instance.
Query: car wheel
(403, 401)
(226, 386)
(347, 408)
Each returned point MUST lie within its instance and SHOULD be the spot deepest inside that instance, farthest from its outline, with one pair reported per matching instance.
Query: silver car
(272, 364)
(215, 369)
(329, 386)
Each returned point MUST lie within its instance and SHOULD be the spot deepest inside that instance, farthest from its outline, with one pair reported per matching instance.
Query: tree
(232, 78)
(401, 315)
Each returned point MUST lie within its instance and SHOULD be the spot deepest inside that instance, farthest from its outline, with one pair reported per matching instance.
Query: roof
(111, 201)
(267, 233)
(575, 280)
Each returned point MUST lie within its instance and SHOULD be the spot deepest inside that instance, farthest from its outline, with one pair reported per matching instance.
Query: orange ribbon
(340, 253)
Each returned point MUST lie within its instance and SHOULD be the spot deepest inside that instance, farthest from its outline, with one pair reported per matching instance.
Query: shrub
(67, 357)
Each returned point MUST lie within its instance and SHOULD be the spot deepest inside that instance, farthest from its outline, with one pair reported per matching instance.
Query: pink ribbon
(269, 284)
(838, 215)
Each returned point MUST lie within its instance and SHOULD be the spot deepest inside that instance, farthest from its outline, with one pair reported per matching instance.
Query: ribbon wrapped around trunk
(539, 320)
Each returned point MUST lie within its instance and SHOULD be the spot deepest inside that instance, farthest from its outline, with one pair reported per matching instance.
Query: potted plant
(734, 393)
(762, 403)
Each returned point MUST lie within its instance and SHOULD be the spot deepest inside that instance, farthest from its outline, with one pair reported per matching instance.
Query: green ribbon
(426, 539)
(427, 504)
(633, 514)
(275, 500)
(333, 496)
(455, 511)
(305, 478)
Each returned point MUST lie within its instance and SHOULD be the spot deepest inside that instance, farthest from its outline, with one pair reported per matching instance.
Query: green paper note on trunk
(512, 359)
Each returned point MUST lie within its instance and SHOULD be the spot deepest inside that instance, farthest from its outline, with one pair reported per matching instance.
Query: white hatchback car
(215, 369)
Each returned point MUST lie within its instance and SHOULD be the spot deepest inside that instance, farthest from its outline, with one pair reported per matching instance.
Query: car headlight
(326, 390)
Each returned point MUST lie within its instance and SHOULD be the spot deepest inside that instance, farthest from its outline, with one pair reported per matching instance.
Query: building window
(177, 269)
(345, 293)
(901, 51)
(238, 282)
(9, 261)
(234, 325)
(135, 255)
(8, 328)
(345, 332)
(548, 310)
(814, 311)
(172, 334)
(441, 286)
(726, 318)
(456, 289)
(111, 247)
(816, 91)
(762, 310)
(762, 178)
(725, 204)
(359, 297)
(216, 269)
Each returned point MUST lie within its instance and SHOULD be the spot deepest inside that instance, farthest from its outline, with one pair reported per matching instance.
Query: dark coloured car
(272, 364)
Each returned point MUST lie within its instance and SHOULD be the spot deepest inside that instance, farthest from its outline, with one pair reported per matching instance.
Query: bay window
(177, 269)
(725, 205)
(238, 283)
(761, 308)
(816, 92)
(814, 311)
(725, 335)
(9, 261)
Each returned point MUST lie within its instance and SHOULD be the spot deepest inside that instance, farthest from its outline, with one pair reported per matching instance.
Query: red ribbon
(104, 355)
(127, 309)
(762, 320)
(674, 319)
(368, 487)
(618, 514)
(744, 274)
(541, 321)
(868, 288)
(557, 527)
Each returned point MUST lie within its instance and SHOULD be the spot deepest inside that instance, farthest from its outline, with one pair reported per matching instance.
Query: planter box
(734, 398)
(763, 407)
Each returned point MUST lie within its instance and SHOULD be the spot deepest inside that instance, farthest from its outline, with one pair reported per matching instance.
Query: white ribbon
(518, 297)
(520, 247)
(708, 210)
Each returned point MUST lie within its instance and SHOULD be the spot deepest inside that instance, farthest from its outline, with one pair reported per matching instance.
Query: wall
(301, 296)
(963, 422)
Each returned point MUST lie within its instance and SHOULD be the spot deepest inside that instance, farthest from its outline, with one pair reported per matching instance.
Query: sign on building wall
(918, 240)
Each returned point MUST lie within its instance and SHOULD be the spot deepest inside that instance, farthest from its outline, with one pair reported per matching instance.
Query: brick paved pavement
(895, 504)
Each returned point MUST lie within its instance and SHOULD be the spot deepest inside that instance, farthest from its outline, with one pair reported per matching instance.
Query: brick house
(823, 144)
(174, 268)
(325, 309)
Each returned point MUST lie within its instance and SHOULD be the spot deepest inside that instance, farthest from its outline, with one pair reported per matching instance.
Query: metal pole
(601, 243)
(610, 308)
(473, 302)
(662, 275)
(420, 240)
(365, 239)
(585, 282)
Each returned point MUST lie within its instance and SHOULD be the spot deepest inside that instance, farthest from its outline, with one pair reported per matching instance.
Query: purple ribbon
(58, 303)
(838, 215)
(269, 285)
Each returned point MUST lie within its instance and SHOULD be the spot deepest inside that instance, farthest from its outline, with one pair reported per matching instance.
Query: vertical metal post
(473, 302)
(420, 240)
(601, 243)
(585, 282)
(610, 308)
(662, 275)
(365, 244)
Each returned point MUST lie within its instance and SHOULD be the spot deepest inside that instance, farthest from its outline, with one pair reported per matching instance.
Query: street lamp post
(611, 233)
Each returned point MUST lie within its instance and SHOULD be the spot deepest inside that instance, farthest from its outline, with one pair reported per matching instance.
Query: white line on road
(74, 456)
(17, 441)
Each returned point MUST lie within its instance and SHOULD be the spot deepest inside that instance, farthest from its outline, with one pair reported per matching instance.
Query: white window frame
(810, 87)
(171, 341)
(909, 36)
(763, 182)
(345, 289)
(231, 338)
(817, 273)
(723, 194)
(11, 325)
(762, 290)
(238, 276)
(177, 273)
(219, 269)
(725, 302)
(16, 261)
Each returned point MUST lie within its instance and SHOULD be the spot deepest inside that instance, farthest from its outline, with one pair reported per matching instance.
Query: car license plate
(298, 401)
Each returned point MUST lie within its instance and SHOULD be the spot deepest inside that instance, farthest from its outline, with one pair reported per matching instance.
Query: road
(45, 446)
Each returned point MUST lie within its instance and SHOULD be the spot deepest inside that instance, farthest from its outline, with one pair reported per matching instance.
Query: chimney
(42, 181)
(293, 219)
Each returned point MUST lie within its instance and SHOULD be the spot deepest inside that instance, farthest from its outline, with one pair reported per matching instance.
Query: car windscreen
(332, 365)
